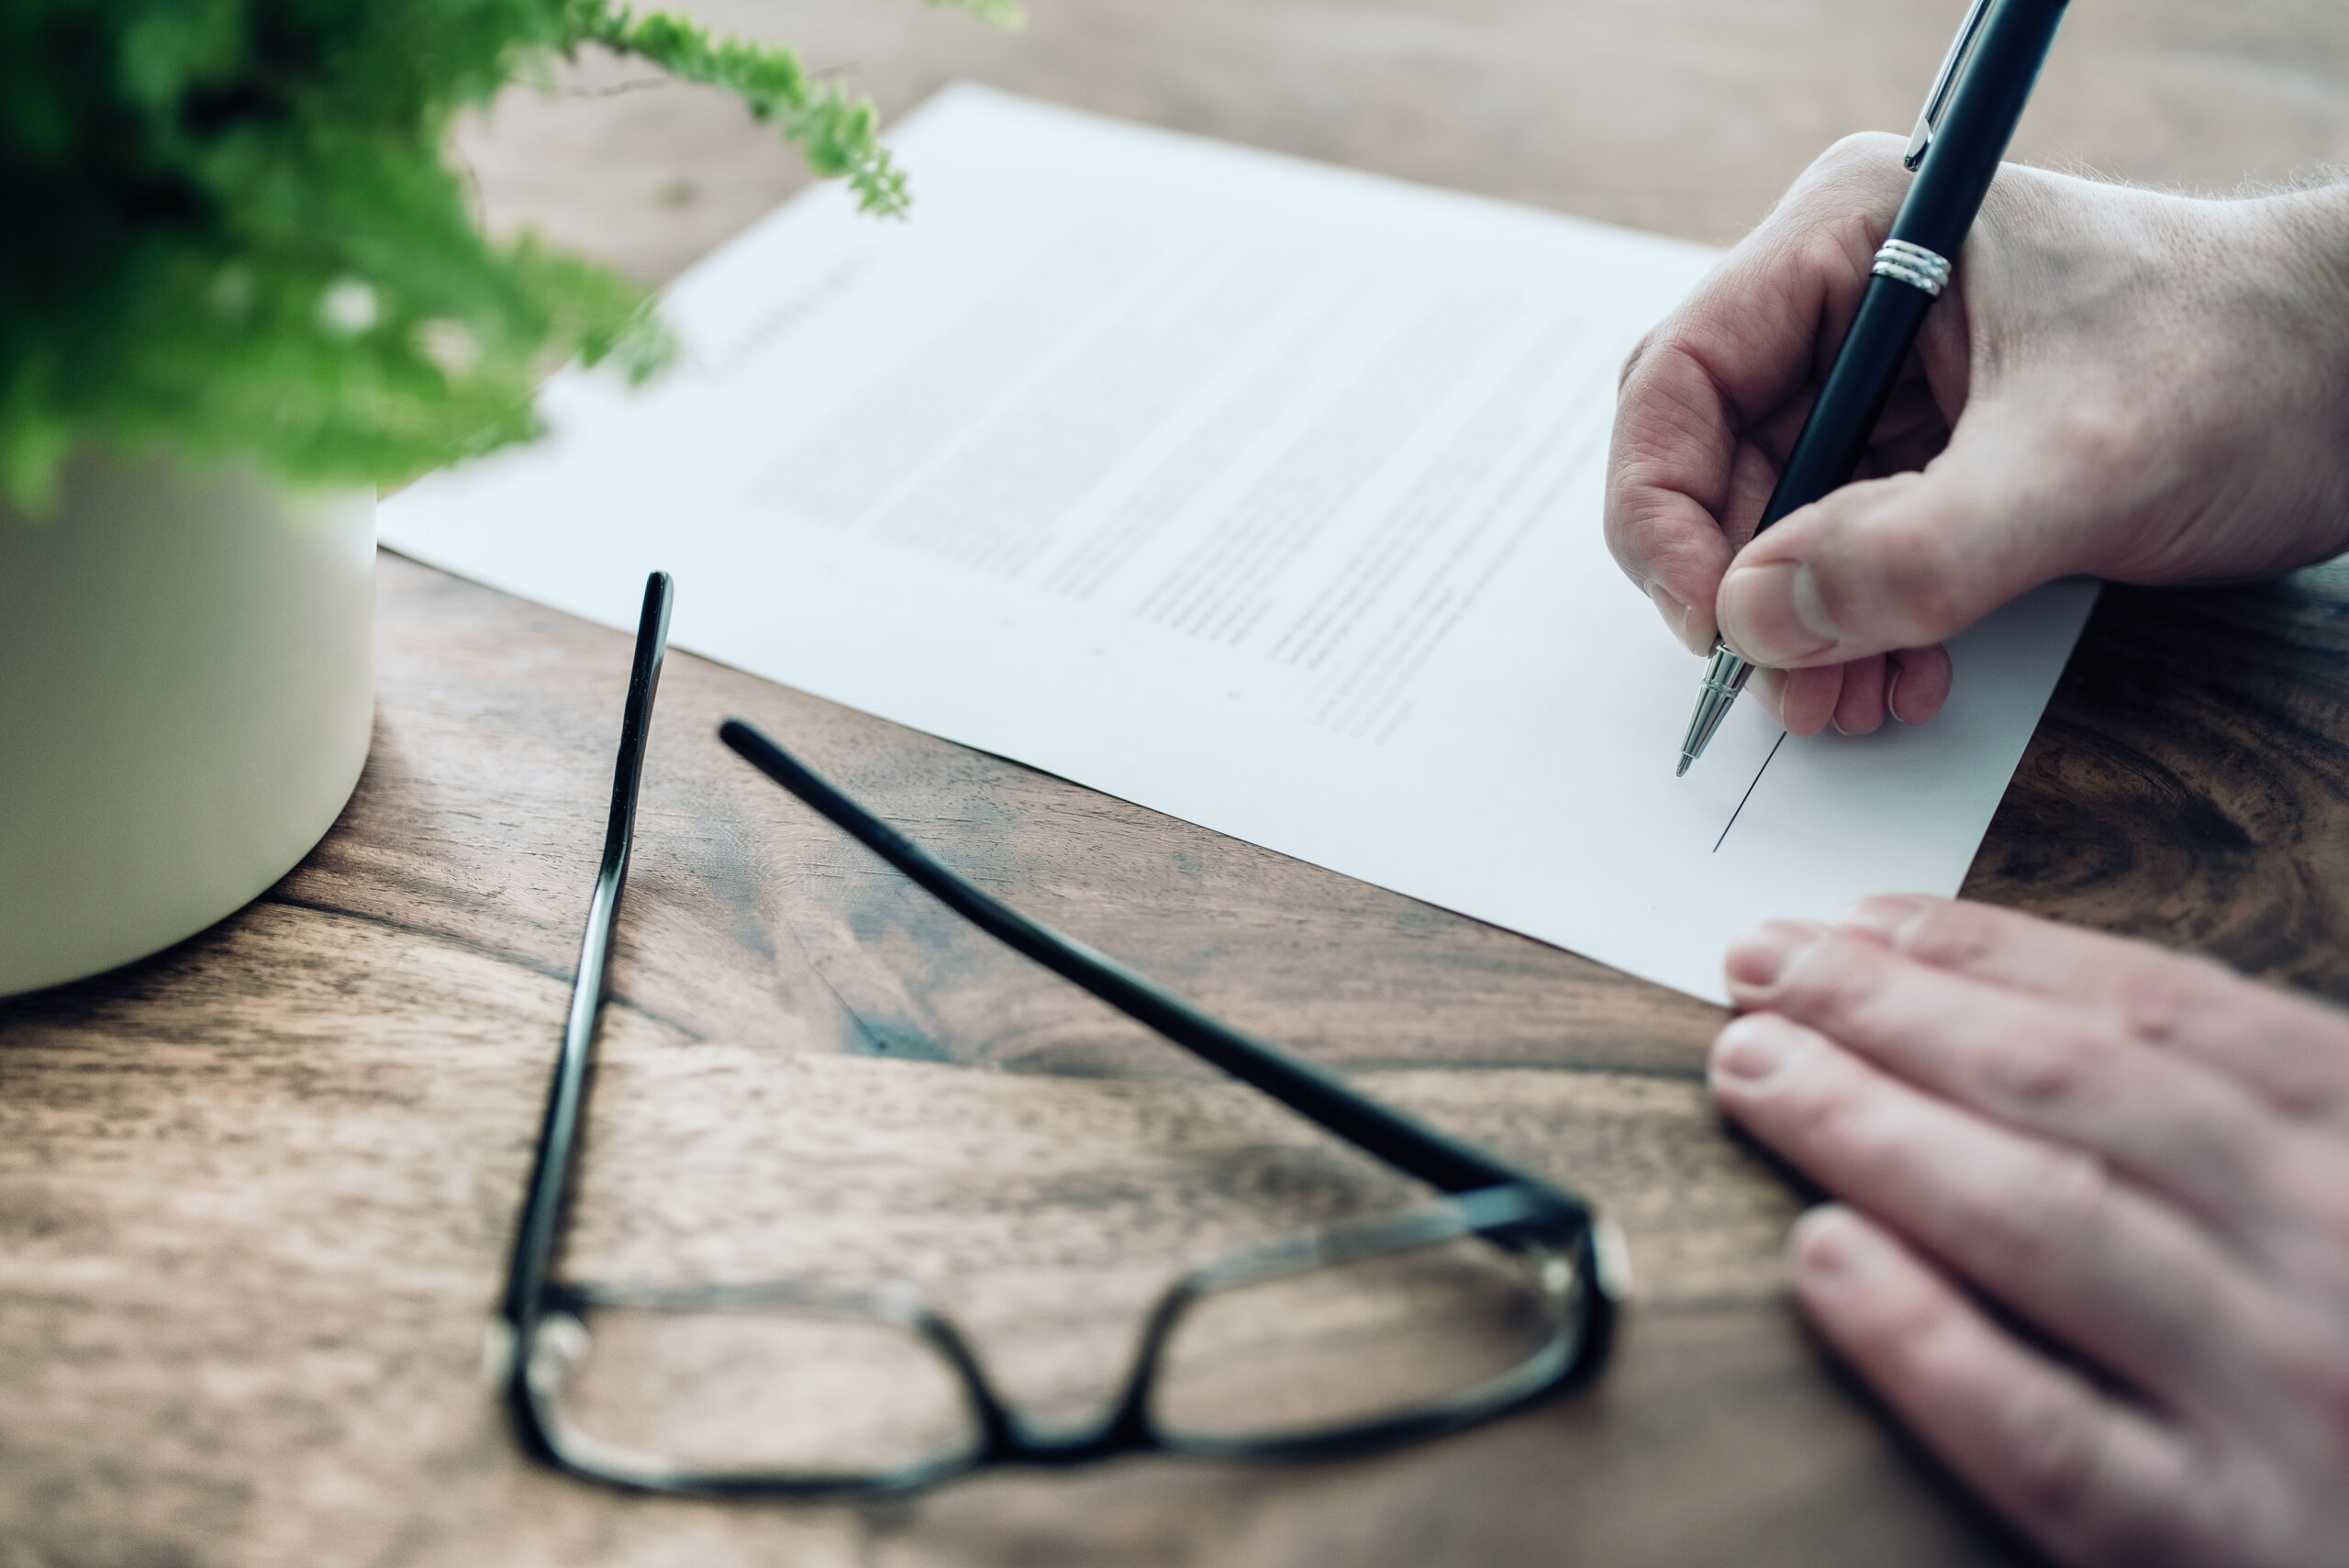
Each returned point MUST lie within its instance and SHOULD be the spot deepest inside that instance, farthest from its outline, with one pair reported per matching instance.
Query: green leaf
(233, 233)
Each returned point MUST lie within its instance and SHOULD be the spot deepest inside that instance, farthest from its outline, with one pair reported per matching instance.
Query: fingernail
(1755, 1047)
(1763, 953)
(1827, 1244)
(1675, 611)
(1772, 614)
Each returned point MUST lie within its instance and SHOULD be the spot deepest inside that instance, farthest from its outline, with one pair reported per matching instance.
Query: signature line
(1749, 792)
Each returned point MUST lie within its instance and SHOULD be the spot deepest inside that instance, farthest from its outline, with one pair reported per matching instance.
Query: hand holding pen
(1968, 119)
(2120, 383)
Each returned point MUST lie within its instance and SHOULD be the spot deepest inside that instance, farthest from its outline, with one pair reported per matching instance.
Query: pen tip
(1682, 771)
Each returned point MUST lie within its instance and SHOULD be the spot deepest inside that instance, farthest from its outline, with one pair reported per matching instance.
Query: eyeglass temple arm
(534, 1242)
(1310, 1090)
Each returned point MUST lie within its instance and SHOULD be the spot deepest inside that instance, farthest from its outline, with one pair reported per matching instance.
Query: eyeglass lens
(818, 1391)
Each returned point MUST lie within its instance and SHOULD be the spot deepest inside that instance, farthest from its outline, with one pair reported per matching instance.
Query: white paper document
(1262, 493)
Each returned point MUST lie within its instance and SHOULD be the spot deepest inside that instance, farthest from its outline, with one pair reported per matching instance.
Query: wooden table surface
(255, 1192)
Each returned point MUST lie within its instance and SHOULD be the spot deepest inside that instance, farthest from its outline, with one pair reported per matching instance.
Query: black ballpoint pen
(1969, 117)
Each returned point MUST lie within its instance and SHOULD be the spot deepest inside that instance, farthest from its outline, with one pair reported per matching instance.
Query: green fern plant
(231, 231)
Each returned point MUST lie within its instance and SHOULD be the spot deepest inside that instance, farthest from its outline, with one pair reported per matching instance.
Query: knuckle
(1618, 527)
(1949, 935)
(1832, 979)
(1825, 1109)
(1864, 152)
(1857, 183)
(1640, 534)
(1835, 249)
(2057, 1199)
(1631, 360)
(1820, 1114)
(2158, 999)
(2052, 1453)
(1887, 917)
(2029, 1080)
(1910, 1336)
(1837, 1118)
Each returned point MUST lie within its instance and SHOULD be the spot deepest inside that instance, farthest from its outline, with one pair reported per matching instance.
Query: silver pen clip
(1960, 49)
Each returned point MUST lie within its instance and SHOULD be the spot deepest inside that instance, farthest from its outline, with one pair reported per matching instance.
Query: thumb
(1897, 563)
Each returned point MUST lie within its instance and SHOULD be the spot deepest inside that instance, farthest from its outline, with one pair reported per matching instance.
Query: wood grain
(254, 1191)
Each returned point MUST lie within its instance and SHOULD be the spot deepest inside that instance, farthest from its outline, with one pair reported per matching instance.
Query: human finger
(1910, 685)
(1911, 559)
(1917, 683)
(2043, 1229)
(1726, 365)
(1668, 482)
(1802, 701)
(2290, 1050)
(1859, 707)
(2044, 1066)
(2086, 1476)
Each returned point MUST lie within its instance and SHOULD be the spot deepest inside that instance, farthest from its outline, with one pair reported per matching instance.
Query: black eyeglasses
(1350, 1337)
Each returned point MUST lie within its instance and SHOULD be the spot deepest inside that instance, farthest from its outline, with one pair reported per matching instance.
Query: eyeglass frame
(1484, 1197)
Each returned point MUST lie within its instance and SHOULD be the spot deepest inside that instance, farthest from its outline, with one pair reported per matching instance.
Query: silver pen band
(1726, 671)
(1913, 265)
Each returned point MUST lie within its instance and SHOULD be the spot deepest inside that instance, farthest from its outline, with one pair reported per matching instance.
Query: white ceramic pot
(186, 694)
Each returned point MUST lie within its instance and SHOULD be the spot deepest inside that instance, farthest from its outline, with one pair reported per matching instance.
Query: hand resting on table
(2142, 1157)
